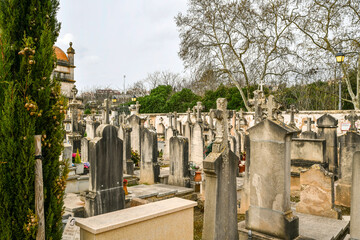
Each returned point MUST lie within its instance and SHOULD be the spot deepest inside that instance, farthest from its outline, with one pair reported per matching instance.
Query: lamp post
(133, 99)
(340, 56)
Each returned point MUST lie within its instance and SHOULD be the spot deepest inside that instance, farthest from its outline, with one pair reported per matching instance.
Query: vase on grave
(125, 182)
(197, 177)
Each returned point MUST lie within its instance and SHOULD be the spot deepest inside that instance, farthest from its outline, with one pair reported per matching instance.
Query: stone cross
(259, 103)
(93, 110)
(188, 115)
(308, 124)
(352, 118)
(123, 117)
(137, 106)
(175, 119)
(271, 106)
(198, 108)
(106, 109)
(170, 116)
(261, 84)
(292, 112)
(221, 115)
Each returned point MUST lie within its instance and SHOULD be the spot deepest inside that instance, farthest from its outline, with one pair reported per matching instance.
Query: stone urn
(79, 168)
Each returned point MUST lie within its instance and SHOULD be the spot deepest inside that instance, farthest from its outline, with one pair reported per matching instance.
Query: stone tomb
(327, 129)
(179, 162)
(316, 197)
(270, 210)
(220, 214)
(149, 168)
(106, 192)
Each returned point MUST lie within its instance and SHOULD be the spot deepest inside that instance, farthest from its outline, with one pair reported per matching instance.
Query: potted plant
(125, 182)
(79, 165)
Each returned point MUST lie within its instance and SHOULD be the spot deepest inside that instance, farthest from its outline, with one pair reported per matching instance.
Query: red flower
(125, 181)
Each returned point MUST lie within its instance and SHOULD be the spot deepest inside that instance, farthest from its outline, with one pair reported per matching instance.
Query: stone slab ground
(311, 227)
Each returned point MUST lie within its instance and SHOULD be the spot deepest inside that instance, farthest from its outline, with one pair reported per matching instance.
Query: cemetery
(247, 147)
(301, 180)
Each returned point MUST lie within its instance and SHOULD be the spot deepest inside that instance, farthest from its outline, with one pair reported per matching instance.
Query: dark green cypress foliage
(32, 104)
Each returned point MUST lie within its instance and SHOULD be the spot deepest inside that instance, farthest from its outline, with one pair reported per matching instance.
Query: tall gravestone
(128, 164)
(327, 129)
(188, 130)
(179, 161)
(270, 210)
(168, 134)
(349, 144)
(197, 139)
(135, 124)
(220, 214)
(106, 192)
(308, 134)
(245, 193)
(355, 198)
(149, 167)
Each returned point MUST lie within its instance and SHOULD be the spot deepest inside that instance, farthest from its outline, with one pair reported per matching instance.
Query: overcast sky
(113, 38)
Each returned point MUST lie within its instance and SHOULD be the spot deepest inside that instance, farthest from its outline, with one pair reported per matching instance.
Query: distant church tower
(64, 70)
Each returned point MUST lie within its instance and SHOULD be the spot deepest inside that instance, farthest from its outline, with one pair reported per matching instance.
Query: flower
(125, 181)
(73, 155)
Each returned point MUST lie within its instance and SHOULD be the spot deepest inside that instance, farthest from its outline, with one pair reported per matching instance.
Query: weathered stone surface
(179, 161)
(349, 144)
(149, 168)
(245, 194)
(342, 193)
(308, 150)
(270, 211)
(128, 163)
(135, 124)
(327, 126)
(355, 198)
(85, 149)
(106, 173)
(316, 197)
(169, 133)
(220, 214)
(197, 145)
(160, 129)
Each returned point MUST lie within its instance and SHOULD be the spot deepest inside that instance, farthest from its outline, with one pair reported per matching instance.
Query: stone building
(64, 69)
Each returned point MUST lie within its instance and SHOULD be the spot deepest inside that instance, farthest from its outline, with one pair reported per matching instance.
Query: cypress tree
(32, 105)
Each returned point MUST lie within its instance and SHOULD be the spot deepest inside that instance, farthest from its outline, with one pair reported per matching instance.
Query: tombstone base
(342, 194)
(130, 167)
(105, 201)
(274, 223)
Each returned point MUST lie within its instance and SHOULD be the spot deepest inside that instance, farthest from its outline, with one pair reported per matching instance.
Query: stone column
(128, 163)
(327, 129)
(355, 198)
(220, 216)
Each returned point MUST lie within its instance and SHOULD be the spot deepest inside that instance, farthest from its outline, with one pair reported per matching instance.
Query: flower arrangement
(135, 157)
(86, 165)
(125, 181)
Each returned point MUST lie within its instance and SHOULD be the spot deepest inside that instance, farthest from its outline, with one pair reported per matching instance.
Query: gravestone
(128, 163)
(349, 144)
(179, 161)
(292, 112)
(188, 130)
(106, 192)
(197, 145)
(91, 125)
(135, 124)
(308, 134)
(270, 210)
(160, 129)
(355, 198)
(197, 139)
(106, 112)
(316, 196)
(149, 168)
(245, 193)
(258, 104)
(85, 149)
(327, 129)
(220, 214)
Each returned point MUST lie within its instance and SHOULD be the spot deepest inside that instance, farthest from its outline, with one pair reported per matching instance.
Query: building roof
(60, 55)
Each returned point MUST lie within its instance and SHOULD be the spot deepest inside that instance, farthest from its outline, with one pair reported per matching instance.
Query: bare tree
(330, 26)
(138, 89)
(175, 80)
(248, 41)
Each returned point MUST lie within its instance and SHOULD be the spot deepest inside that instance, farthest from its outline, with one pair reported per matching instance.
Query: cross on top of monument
(271, 106)
(261, 84)
(198, 108)
(308, 124)
(292, 112)
(221, 114)
(352, 118)
(170, 116)
(188, 115)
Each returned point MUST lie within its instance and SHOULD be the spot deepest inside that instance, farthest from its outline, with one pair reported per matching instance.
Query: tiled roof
(60, 55)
